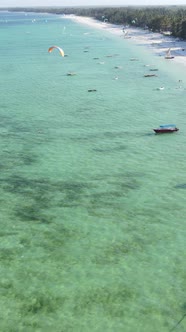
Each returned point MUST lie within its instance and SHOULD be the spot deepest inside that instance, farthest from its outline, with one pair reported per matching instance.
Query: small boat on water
(118, 67)
(150, 75)
(71, 73)
(161, 88)
(165, 129)
(168, 54)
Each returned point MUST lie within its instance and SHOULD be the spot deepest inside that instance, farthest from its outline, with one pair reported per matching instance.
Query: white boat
(71, 73)
(168, 54)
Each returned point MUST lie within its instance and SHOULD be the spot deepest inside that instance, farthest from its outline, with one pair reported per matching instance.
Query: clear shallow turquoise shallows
(93, 203)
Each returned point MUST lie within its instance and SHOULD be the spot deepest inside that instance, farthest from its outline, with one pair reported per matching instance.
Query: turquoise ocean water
(93, 203)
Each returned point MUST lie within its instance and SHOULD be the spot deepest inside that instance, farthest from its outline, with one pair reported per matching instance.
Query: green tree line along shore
(156, 19)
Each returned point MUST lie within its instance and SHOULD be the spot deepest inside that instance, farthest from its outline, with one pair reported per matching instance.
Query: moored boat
(169, 55)
(164, 129)
(150, 75)
(71, 73)
(161, 88)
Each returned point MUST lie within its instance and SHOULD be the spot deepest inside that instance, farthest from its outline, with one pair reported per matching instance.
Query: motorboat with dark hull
(166, 129)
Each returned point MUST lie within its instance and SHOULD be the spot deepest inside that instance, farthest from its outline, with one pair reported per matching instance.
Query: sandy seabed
(157, 42)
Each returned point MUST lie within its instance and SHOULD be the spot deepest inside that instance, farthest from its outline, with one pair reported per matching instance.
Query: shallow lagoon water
(92, 201)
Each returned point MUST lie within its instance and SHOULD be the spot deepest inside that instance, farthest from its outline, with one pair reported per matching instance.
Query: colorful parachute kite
(58, 48)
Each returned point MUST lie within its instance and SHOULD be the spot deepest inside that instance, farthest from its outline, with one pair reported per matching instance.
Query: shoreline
(156, 42)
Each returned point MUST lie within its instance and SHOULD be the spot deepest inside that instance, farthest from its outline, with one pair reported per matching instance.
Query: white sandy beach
(157, 42)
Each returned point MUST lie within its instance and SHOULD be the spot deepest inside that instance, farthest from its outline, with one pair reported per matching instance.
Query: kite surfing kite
(58, 48)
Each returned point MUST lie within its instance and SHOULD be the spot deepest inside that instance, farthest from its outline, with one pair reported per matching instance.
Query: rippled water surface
(93, 203)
